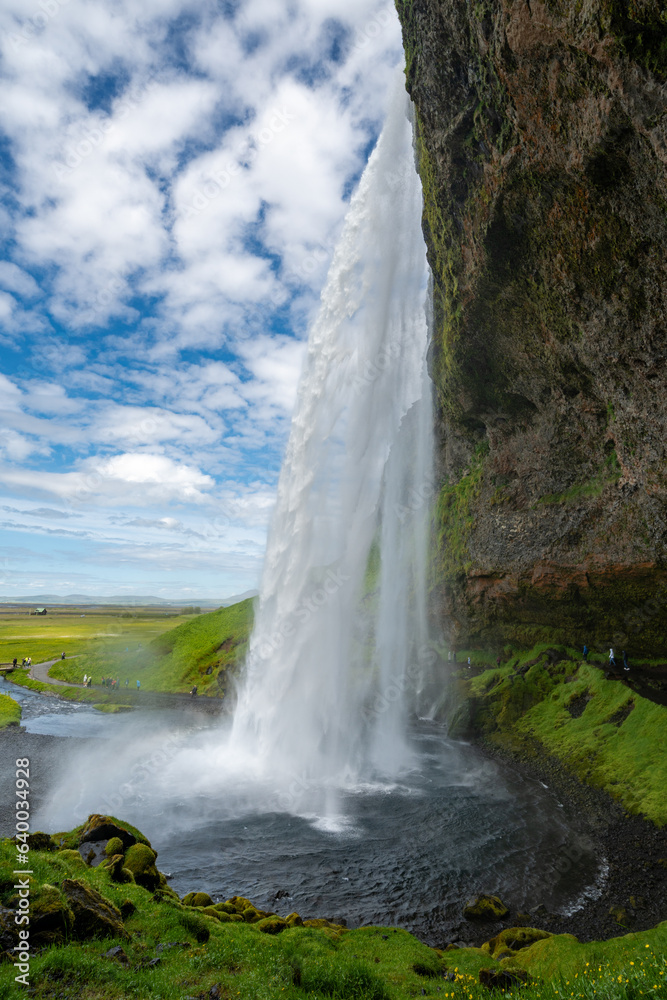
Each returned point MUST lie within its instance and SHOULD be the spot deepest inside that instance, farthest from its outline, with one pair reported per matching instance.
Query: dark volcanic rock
(94, 916)
(542, 137)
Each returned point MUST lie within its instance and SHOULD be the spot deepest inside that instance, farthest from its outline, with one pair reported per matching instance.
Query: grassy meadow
(78, 630)
(167, 653)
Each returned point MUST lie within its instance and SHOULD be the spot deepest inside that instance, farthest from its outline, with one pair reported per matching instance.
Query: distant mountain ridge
(127, 600)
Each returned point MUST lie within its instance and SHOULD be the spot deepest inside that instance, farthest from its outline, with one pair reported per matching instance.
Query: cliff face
(542, 135)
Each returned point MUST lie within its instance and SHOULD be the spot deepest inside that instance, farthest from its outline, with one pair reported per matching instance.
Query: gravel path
(40, 672)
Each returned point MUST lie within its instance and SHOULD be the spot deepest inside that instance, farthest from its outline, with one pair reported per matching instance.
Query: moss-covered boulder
(239, 903)
(512, 940)
(225, 908)
(140, 860)
(197, 899)
(51, 918)
(100, 827)
(114, 846)
(117, 870)
(94, 916)
(294, 920)
(272, 925)
(251, 915)
(485, 908)
(210, 911)
(73, 860)
(39, 841)
(319, 923)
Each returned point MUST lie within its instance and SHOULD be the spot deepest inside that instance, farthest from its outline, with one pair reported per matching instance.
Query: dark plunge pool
(408, 852)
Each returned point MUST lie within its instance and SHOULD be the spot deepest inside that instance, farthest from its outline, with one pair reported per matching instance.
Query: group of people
(612, 659)
(25, 662)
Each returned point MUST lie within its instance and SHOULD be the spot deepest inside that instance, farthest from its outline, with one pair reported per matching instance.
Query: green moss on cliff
(454, 520)
(607, 735)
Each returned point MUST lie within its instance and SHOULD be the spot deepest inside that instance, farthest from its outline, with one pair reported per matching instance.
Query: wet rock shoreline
(633, 894)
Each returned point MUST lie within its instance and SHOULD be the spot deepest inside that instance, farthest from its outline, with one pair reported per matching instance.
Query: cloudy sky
(174, 177)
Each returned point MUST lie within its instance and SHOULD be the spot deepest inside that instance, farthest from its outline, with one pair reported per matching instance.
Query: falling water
(339, 639)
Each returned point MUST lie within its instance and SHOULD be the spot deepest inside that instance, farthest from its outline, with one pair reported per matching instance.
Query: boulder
(93, 852)
(225, 908)
(72, 859)
(99, 827)
(513, 939)
(94, 916)
(51, 919)
(114, 846)
(240, 903)
(140, 860)
(294, 920)
(117, 870)
(39, 841)
(272, 925)
(197, 899)
(251, 915)
(485, 908)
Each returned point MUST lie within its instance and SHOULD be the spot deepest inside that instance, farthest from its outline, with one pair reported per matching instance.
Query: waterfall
(335, 658)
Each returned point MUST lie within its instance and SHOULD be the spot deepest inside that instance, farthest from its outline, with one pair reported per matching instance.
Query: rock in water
(485, 908)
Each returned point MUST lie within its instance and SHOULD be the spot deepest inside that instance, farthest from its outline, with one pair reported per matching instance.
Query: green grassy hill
(176, 659)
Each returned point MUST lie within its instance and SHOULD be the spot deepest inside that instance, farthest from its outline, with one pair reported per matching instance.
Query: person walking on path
(585, 653)
(138, 685)
(626, 665)
(14, 662)
(62, 656)
(85, 679)
(612, 660)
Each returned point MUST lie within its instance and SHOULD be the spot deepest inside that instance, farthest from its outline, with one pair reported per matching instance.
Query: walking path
(40, 672)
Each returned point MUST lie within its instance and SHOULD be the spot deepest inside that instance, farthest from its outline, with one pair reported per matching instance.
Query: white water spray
(334, 658)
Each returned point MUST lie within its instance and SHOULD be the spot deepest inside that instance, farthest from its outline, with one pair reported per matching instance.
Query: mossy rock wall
(542, 141)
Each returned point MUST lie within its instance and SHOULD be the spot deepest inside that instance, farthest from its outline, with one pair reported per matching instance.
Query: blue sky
(173, 178)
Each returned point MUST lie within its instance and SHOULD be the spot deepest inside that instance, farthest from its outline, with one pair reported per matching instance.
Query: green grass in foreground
(10, 711)
(608, 735)
(240, 961)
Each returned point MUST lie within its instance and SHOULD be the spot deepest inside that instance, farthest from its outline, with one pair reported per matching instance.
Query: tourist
(138, 685)
(585, 653)
(14, 662)
(468, 663)
(85, 679)
(449, 655)
(127, 682)
(497, 661)
(62, 656)
(626, 665)
(193, 693)
(612, 660)
(23, 662)
(90, 681)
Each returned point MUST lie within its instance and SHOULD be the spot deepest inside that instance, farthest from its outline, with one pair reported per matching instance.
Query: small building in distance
(39, 611)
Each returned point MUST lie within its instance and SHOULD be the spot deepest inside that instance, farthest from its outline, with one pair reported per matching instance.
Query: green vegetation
(174, 660)
(608, 474)
(118, 931)
(454, 519)
(599, 730)
(10, 711)
(73, 632)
